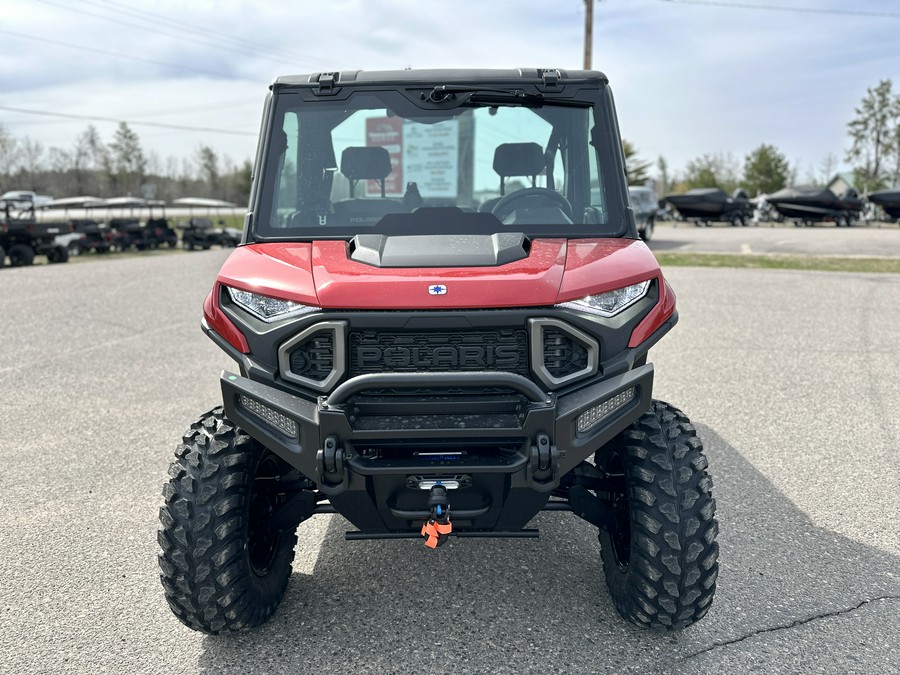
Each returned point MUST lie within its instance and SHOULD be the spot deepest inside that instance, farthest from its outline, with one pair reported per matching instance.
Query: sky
(690, 77)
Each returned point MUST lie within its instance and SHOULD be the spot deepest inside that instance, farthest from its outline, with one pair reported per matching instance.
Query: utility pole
(588, 32)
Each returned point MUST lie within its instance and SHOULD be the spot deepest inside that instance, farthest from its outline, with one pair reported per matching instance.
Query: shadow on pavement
(513, 606)
(658, 244)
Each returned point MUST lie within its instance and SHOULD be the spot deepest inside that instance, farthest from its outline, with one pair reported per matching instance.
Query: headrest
(518, 159)
(369, 162)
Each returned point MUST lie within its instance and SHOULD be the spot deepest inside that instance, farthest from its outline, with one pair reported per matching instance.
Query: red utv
(440, 317)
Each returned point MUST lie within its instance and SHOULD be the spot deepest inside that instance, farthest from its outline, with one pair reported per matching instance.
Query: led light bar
(283, 423)
(593, 416)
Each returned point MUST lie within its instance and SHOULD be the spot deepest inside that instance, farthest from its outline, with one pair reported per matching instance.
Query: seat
(365, 163)
(531, 205)
(512, 160)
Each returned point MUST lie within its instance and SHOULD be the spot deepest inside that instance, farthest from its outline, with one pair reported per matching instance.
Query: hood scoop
(439, 250)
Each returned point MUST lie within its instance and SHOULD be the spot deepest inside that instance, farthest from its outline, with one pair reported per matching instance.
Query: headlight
(610, 303)
(266, 308)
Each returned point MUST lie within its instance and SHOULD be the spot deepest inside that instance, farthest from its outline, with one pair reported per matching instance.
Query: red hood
(321, 274)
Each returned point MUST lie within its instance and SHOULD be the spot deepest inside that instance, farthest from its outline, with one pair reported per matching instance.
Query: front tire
(222, 569)
(21, 255)
(58, 254)
(662, 562)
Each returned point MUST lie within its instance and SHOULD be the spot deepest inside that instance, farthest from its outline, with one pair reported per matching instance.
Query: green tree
(208, 163)
(874, 134)
(765, 170)
(126, 163)
(244, 179)
(719, 170)
(635, 168)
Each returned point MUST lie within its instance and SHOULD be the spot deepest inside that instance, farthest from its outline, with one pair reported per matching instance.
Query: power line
(203, 40)
(108, 53)
(221, 105)
(97, 118)
(155, 18)
(777, 8)
(143, 114)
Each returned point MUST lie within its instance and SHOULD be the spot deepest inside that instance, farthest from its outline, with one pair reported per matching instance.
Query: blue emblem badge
(437, 289)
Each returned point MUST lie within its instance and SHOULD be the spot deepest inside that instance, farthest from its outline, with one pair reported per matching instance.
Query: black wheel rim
(262, 543)
(621, 538)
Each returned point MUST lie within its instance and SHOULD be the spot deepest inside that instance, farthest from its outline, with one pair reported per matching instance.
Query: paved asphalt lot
(790, 376)
(876, 240)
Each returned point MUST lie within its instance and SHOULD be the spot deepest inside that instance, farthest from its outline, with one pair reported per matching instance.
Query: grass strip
(781, 262)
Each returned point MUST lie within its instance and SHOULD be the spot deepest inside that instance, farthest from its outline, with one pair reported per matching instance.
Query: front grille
(432, 351)
(563, 354)
(314, 358)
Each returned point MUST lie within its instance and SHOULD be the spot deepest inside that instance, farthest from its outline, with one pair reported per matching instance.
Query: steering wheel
(533, 197)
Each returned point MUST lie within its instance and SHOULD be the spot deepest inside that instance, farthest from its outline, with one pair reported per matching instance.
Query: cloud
(689, 79)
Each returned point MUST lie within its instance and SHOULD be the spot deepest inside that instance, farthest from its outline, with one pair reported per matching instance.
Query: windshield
(379, 162)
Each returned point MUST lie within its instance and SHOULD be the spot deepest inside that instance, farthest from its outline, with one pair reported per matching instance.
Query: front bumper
(377, 441)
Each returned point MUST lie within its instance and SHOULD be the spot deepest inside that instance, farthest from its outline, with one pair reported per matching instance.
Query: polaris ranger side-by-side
(441, 312)
(22, 237)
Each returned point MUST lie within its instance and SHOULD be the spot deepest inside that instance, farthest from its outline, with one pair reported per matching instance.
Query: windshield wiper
(446, 93)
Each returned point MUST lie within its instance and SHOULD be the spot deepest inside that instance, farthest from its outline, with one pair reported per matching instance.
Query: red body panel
(322, 274)
(220, 323)
(345, 283)
(557, 270)
(599, 265)
(657, 316)
(280, 270)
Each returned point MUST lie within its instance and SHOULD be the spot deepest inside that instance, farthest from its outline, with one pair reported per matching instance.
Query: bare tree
(9, 155)
(664, 178)
(827, 168)
(31, 163)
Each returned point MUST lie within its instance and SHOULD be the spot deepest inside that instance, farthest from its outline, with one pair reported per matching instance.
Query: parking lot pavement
(825, 240)
(789, 376)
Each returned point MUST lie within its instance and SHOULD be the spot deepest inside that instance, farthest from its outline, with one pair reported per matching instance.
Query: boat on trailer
(711, 205)
(806, 206)
(888, 200)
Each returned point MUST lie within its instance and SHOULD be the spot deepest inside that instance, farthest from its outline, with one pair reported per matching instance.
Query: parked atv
(160, 233)
(200, 233)
(22, 237)
(96, 237)
(431, 351)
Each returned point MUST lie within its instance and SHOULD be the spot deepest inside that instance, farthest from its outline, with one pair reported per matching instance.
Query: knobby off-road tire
(57, 255)
(221, 569)
(21, 255)
(661, 564)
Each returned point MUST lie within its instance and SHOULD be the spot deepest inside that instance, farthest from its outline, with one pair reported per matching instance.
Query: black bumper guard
(319, 438)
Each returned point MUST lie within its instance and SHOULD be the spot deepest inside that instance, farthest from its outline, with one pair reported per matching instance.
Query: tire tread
(670, 580)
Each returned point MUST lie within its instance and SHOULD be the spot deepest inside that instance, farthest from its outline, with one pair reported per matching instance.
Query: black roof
(445, 76)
